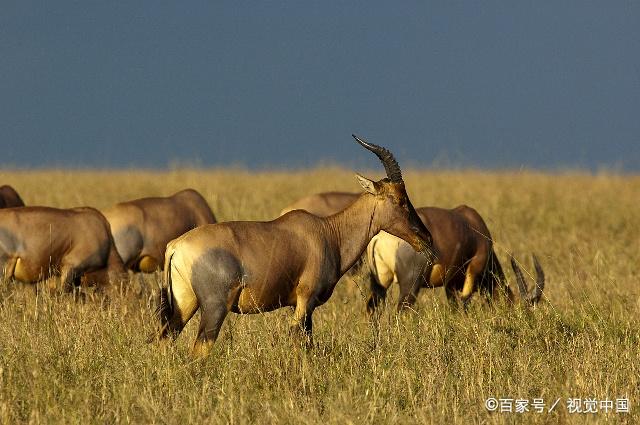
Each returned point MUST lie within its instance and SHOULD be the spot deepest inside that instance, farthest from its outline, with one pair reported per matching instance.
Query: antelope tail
(531, 297)
(164, 310)
(166, 289)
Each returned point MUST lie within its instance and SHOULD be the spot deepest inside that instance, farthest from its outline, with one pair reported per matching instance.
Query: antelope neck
(353, 228)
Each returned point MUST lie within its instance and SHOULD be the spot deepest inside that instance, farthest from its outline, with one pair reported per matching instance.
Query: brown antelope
(460, 237)
(39, 242)
(9, 198)
(142, 228)
(295, 260)
(466, 261)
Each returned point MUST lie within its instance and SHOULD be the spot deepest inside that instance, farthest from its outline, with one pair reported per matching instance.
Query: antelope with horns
(466, 262)
(38, 242)
(295, 260)
(460, 238)
(9, 198)
(142, 227)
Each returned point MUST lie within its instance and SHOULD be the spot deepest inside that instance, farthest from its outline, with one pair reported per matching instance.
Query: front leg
(302, 322)
(69, 278)
(314, 288)
(475, 267)
(410, 279)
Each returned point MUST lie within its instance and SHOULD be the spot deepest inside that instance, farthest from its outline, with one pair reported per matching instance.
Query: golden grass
(70, 362)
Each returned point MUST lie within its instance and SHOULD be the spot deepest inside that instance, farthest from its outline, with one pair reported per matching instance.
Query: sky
(284, 84)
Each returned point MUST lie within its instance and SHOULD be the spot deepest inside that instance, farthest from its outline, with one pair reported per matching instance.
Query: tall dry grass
(87, 362)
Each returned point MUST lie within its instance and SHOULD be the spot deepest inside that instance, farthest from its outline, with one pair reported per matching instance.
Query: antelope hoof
(297, 331)
(201, 349)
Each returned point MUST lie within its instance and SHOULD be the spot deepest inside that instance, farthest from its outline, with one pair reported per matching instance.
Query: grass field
(87, 362)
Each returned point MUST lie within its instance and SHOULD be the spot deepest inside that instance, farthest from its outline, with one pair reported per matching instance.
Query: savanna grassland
(63, 361)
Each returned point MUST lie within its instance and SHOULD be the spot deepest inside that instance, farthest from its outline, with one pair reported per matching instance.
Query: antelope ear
(368, 185)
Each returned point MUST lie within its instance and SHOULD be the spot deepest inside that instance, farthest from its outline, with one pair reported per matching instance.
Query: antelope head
(393, 210)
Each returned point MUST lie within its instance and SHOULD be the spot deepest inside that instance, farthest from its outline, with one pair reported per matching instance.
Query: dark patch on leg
(408, 293)
(215, 273)
(216, 278)
(129, 244)
(210, 322)
(7, 253)
(8, 241)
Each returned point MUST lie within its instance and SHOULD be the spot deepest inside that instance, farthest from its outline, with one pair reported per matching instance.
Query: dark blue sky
(284, 84)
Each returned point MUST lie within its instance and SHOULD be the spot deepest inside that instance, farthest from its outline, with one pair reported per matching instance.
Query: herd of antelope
(246, 267)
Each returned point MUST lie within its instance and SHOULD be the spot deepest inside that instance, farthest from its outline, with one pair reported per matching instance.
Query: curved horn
(537, 291)
(390, 164)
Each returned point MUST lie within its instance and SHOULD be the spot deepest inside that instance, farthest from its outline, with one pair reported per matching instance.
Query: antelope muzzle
(423, 239)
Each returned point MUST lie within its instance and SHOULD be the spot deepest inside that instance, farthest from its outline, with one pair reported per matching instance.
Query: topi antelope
(9, 198)
(455, 232)
(295, 260)
(38, 242)
(142, 228)
(466, 262)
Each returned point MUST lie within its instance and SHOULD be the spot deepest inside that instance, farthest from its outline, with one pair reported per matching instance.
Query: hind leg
(475, 267)
(381, 277)
(210, 324)
(408, 293)
(184, 305)
(378, 291)
(410, 279)
(172, 325)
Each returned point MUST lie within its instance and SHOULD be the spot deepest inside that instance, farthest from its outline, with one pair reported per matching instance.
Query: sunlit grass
(63, 361)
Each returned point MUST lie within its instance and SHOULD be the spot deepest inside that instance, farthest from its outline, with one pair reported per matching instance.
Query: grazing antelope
(295, 260)
(38, 242)
(466, 261)
(9, 198)
(142, 228)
